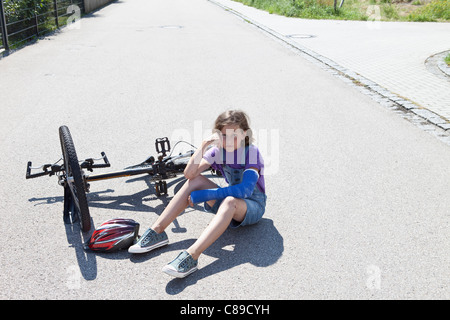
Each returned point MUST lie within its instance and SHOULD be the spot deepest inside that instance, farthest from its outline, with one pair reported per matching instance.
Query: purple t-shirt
(239, 159)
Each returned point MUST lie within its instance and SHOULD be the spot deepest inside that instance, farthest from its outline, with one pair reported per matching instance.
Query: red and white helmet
(113, 235)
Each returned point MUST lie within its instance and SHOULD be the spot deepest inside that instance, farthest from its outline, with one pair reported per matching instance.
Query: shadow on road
(260, 245)
(134, 203)
(86, 259)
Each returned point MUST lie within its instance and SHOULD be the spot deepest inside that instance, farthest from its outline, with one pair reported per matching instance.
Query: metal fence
(3, 40)
(25, 20)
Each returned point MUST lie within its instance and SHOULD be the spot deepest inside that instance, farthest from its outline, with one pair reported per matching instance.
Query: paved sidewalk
(391, 55)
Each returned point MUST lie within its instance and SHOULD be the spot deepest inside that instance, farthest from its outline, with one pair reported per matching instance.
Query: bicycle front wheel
(74, 179)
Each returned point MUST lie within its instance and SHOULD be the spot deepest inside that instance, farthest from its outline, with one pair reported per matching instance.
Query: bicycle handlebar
(54, 168)
(89, 163)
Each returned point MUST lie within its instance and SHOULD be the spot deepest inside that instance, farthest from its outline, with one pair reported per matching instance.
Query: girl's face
(232, 137)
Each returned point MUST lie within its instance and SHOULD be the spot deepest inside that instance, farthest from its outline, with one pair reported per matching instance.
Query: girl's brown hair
(235, 117)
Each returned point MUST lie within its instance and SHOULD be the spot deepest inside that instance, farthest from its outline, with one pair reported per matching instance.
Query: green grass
(436, 10)
(308, 9)
(390, 10)
(447, 59)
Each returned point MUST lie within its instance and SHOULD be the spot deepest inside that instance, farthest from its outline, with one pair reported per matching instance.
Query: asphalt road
(358, 197)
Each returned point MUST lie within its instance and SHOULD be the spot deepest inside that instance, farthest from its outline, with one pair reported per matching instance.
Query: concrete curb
(375, 91)
(442, 65)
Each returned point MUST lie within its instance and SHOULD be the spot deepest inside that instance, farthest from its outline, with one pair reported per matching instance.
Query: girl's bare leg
(231, 208)
(180, 201)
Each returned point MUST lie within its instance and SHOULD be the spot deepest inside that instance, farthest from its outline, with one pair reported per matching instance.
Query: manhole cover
(301, 36)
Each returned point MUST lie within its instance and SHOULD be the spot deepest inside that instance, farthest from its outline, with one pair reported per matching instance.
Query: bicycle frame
(155, 168)
(158, 169)
(72, 176)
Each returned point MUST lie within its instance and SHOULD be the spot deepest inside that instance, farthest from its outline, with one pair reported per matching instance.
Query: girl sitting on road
(242, 203)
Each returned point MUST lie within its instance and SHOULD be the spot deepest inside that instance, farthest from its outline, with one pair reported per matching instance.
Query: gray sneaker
(150, 240)
(182, 266)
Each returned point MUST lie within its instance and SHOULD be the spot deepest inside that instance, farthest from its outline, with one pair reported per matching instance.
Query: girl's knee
(230, 202)
(234, 207)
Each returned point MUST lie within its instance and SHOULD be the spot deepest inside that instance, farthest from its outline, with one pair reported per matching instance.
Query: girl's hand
(214, 139)
(190, 203)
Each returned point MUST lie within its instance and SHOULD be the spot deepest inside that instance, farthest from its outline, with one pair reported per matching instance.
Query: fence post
(36, 22)
(4, 29)
(55, 6)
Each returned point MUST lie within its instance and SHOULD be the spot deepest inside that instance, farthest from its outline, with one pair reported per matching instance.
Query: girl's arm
(193, 170)
(197, 164)
(242, 190)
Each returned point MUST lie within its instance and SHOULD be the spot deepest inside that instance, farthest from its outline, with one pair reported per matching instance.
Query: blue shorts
(256, 206)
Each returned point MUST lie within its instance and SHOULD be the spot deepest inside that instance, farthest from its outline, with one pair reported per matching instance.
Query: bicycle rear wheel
(74, 179)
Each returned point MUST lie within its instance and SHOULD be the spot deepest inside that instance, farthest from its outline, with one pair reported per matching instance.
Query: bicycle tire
(74, 179)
